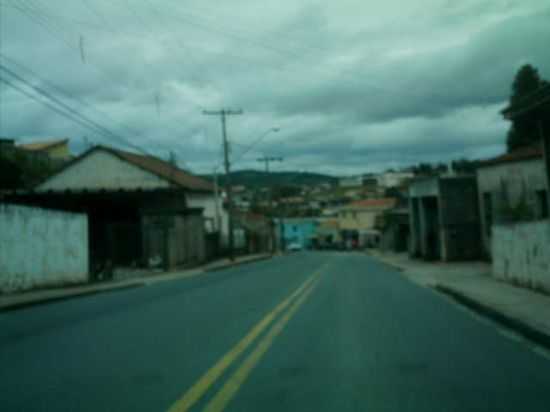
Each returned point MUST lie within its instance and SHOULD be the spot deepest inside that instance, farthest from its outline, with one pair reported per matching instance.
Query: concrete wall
(418, 190)
(521, 253)
(459, 210)
(528, 174)
(422, 187)
(103, 170)
(444, 218)
(355, 219)
(207, 201)
(173, 240)
(40, 247)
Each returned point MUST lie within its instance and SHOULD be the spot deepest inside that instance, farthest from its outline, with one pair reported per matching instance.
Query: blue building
(297, 230)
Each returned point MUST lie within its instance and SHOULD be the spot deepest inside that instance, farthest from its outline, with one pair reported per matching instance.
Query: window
(488, 212)
(542, 204)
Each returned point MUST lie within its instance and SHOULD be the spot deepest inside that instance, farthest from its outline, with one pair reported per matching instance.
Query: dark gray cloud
(354, 86)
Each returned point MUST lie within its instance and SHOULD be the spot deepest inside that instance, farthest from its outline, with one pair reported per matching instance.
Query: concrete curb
(381, 259)
(529, 332)
(52, 299)
(137, 283)
(233, 264)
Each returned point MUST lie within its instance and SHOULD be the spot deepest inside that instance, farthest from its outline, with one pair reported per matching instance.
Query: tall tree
(524, 130)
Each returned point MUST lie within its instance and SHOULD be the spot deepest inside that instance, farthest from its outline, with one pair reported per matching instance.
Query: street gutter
(57, 298)
(56, 295)
(522, 328)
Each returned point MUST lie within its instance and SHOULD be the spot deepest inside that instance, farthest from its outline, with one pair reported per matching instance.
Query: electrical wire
(65, 110)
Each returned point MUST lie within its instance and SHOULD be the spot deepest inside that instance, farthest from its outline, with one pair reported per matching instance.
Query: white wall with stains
(521, 253)
(40, 248)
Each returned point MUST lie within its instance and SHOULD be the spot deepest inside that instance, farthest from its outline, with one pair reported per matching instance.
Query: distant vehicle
(294, 247)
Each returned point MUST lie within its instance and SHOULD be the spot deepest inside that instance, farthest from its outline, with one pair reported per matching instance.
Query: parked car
(294, 247)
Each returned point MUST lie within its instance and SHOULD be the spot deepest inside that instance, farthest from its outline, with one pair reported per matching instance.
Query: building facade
(444, 218)
(393, 179)
(359, 221)
(137, 208)
(511, 187)
(301, 231)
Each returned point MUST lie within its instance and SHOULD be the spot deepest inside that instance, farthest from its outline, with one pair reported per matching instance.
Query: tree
(19, 171)
(11, 175)
(524, 130)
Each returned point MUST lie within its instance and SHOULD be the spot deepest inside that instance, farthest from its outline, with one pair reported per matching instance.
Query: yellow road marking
(210, 376)
(232, 385)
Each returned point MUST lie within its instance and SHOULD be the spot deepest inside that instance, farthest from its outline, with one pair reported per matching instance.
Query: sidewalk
(524, 310)
(20, 300)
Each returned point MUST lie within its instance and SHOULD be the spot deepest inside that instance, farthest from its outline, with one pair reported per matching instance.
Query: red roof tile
(375, 203)
(163, 169)
(524, 153)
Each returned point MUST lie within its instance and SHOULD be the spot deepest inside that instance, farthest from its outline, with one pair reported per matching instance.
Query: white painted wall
(528, 174)
(103, 170)
(521, 253)
(208, 202)
(40, 247)
(393, 179)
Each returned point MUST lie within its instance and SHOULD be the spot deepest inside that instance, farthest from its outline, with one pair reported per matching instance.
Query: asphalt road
(306, 332)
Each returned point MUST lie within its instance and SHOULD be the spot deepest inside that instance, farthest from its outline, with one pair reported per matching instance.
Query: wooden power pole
(266, 160)
(223, 113)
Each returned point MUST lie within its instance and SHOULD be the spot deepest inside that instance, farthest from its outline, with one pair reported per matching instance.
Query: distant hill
(255, 178)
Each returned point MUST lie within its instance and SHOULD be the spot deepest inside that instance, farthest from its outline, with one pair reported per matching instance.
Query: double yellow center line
(220, 400)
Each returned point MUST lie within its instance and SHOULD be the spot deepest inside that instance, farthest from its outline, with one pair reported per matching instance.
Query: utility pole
(217, 197)
(223, 113)
(545, 138)
(266, 160)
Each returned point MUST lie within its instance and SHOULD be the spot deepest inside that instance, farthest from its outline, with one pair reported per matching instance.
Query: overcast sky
(354, 85)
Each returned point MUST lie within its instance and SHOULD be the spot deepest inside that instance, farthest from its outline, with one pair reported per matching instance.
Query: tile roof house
(140, 208)
(100, 168)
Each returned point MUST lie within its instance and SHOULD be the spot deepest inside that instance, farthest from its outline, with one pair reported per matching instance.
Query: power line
(283, 51)
(66, 110)
(49, 105)
(60, 91)
(41, 21)
(256, 142)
